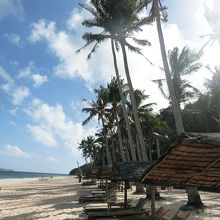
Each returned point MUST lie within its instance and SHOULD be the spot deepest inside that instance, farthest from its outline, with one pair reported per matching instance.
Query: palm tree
(130, 139)
(181, 64)
(98, 109)
(155, 12)
(89, 148)
(114, 98)
(214, 90)
(127, 14)
(111, 16)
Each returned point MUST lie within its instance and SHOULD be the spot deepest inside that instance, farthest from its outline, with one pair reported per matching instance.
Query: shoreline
(10, 181)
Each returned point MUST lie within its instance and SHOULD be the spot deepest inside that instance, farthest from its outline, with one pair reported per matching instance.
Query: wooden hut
(104, 173)
(195, 161)
(131, 171)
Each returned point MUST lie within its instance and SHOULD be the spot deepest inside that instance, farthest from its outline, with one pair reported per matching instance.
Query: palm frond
(141, 42)
(159, 83)
(88, 8)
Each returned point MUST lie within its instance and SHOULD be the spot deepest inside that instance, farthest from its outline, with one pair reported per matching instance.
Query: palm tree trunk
(175, 104)
(113, 153)
(130, 139)
(158, 148)
(133, 102)
(119, 137)
(103, 158)
(138, 149)
(108, 155)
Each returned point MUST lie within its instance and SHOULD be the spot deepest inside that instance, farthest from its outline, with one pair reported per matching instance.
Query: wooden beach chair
(177, 217)
(99, 208)
(83, 199)
(100, 198)
(137, 210)
(118, 203)
(159, 214)
(89, 183)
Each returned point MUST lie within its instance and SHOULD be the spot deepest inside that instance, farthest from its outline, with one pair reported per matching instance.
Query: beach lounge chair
(159, 215)
(99, 208)
(89, 183)
(117, 203)
(99, 198)
(137, 210)
(83, 199)
(177, 217)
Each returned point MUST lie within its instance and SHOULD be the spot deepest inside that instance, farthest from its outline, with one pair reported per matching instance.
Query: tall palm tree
(127, 14)
(155, 12)
(130, 139)
(98, 109)
(181, 64)
(111, 16)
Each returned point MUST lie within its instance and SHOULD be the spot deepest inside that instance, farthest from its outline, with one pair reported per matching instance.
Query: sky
(43, 80)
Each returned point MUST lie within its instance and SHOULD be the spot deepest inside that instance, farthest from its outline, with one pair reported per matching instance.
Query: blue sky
(43, 81)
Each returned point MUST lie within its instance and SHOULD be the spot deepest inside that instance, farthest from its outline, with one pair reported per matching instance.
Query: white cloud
(6, 76)
(63, 45)
(39, 79)
(52, 159)
(20, 94)
(43, 135)
(13, 111)
(11, 8)
(51, 126)
(14, 151)
(28, 73)
(6, 87)
(75, 19)
(14, 38)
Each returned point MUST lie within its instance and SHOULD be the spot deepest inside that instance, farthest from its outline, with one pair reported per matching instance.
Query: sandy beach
(57, 198)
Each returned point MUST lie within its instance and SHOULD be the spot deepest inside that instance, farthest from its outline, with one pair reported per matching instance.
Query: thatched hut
(104, 172)
(194, 162)
(131, 171)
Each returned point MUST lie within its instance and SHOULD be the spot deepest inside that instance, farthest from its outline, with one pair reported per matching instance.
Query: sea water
(23, 175)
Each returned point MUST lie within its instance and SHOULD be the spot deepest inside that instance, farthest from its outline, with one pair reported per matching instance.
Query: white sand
(57, 198)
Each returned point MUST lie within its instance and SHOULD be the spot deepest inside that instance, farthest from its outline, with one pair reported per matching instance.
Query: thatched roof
(130, 171)
(193, 162)
(104, 172)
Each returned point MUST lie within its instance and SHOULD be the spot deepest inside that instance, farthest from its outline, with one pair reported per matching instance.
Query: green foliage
(181, 64)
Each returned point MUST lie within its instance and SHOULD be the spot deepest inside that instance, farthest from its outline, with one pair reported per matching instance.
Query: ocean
(23, 175)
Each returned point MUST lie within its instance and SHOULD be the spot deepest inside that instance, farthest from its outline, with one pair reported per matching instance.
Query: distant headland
(6, 170)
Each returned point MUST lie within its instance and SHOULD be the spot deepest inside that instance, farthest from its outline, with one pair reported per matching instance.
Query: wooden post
(106, 186)
(153, 189)
(125, 195)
